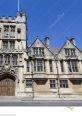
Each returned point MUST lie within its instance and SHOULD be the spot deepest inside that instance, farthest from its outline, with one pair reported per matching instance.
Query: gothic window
(29, 83)
(1, 59)
(7, 59)
(72, 66)
(41, 51)
(63, 83)
(67, 52)
(62, 66)
(12, 28)
(28, 66)
(35, 66)
(5, 44)
(6, 28)
(50, 64)
(39, 65)
(38, 51)
(9, 31)
(12, 44)
(70, 52)
(0, 30)
(52, 84)
(12, 31)
(35, 51)
(14, 59)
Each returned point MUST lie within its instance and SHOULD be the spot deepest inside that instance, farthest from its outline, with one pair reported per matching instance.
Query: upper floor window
(35, 51)
(38, 51)
(62, 66)
(39, 65)
(7, 59)
(28, 66)
(5, 44)
(70, 52)
(12, 28)
(63, 83)
(14, 59)
(35, 68)
(9, 31)
(12, 44)
(6, 28)
(52, 84)
(50, 64)
(8, 44)
(41, 51)
(0, 30)
(72, 66)
(1, 59)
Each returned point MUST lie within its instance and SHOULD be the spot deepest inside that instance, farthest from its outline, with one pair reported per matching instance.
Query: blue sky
(58, 19)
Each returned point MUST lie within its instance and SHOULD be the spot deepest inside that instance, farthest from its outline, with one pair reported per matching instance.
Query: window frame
(1, 60)
(7, 59)
(64, 83)
(52, 84)
(72, 66)
(12, 44)
(28, 66)
(28, 84)
(39, 65)
(50, 65)
(5, 44)
(62, 65)
(14, 60)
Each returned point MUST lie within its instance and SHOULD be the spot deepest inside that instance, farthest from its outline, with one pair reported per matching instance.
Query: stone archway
(7, 85)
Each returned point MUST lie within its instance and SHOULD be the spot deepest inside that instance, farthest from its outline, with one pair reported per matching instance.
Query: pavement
(15, 101)
(41, 103)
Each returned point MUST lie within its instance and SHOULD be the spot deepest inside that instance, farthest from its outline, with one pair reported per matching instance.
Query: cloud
(59, 17)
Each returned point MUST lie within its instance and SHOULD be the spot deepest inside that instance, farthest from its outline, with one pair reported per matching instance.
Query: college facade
(38, 71)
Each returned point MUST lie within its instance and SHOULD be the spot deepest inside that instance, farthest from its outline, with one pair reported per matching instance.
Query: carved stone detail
(8, 69)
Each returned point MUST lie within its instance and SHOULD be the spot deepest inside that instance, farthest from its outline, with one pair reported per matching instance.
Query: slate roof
(54, 50)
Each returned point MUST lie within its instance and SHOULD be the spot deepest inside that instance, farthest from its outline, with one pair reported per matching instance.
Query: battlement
(20, 17)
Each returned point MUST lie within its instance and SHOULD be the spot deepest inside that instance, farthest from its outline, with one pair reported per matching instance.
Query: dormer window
(70, 52)
(38, 51)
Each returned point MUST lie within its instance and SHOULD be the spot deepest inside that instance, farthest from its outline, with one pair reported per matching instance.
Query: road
(41, 103)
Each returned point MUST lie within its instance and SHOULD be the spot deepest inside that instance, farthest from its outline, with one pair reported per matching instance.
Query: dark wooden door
(7, 87)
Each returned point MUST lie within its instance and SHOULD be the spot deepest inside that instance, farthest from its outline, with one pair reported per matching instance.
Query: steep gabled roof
(55, 50)
(80, 50)
(42, 44)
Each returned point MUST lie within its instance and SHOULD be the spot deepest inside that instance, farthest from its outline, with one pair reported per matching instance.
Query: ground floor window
(52, 84)
(63, 83)
(29, 83)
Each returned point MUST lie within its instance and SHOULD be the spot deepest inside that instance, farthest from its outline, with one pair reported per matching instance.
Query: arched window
(7, 59)
(1, 60)
(14, 59)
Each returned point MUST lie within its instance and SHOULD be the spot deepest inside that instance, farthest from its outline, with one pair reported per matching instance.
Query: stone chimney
(72, 40)
(47, 42)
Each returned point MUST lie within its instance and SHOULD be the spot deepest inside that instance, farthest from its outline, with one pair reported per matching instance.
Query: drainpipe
(57, 76)
(30, 58)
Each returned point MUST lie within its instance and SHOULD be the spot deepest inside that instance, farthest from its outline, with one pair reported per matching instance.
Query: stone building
(37, 72)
